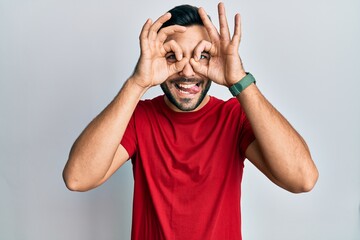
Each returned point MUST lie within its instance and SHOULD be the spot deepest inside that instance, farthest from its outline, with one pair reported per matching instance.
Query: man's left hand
(225, 66)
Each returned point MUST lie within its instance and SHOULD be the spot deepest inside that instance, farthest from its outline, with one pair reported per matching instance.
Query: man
(188, 148)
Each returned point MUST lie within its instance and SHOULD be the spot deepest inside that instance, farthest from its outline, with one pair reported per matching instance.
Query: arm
(93, 153)
(278, 151)
(97, 152)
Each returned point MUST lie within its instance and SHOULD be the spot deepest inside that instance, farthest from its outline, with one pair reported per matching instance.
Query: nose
(187, 71)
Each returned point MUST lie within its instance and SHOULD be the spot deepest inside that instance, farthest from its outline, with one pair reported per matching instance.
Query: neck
(174, 108)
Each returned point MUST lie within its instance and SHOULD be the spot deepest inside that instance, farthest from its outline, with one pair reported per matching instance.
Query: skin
(177, 98)
(173, 57)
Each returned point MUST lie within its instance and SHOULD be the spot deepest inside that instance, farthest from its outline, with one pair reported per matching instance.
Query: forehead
(189, 39)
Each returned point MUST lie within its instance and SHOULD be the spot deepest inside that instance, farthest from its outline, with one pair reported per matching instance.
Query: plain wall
(62, 62)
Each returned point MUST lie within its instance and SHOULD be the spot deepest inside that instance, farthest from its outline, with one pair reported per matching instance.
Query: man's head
(184, 15)
(186, 90)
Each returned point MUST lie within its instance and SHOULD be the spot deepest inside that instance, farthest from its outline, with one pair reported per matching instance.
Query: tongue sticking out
(189, 88)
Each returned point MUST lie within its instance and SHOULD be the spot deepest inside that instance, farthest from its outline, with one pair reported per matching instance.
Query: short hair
(184, 15)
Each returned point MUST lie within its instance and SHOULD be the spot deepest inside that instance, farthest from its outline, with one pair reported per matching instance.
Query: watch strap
(238, 87)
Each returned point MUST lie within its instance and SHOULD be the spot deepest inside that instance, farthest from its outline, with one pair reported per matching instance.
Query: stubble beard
(183, 103)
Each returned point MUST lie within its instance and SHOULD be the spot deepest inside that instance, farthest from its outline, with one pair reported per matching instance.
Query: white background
(62, 62)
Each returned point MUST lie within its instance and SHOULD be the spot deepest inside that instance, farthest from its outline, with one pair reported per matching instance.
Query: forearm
(93, 152)
(284, 151)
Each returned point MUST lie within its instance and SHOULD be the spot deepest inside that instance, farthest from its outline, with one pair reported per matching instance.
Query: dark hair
(184, 15)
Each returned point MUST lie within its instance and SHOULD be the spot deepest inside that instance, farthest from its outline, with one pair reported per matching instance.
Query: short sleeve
(246, 133)
(129, 139)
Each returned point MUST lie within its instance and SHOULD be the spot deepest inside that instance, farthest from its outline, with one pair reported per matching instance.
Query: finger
(203, 46)
(165, 32)
(210, 28)
(237, 30)
(224, 27)
(145, 29)
(178, 66)
(144, 33)
(157, 25)
(198, 67)
(172, 46)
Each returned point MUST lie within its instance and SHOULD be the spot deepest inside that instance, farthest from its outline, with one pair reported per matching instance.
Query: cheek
(204, 61)
(171, 61)
(167, 86)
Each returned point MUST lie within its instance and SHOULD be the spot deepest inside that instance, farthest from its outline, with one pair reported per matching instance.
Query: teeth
(184, 92)
(186, 85)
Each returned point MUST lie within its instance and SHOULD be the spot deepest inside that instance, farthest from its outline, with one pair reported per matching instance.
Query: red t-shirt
(187, 169)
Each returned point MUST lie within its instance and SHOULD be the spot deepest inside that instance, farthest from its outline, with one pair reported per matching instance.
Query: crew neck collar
(185, 114)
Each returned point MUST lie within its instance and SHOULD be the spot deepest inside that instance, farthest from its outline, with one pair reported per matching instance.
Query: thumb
(198, 67)
(178, 66)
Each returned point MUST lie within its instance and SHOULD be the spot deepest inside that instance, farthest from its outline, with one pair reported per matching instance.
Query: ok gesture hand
(225, 66)
(152, 68)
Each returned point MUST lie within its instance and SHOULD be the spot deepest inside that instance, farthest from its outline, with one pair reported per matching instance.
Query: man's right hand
(153, 68)
(97, 152)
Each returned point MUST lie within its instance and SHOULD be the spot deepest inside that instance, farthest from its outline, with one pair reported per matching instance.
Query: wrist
(233, 80)
(136, 85)
(138, 81)
(242, 84)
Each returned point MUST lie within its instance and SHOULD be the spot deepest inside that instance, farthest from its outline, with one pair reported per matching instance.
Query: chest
(188, 151)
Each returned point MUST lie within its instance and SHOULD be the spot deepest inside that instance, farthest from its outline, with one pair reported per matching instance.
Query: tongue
(193, 90)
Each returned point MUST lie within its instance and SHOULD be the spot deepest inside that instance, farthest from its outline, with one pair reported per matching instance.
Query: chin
(184, 101)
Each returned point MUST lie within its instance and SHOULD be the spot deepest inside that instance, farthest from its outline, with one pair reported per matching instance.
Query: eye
(204, 56)
(170, 57)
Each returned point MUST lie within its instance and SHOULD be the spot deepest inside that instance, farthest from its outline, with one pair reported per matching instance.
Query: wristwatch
(238, 87)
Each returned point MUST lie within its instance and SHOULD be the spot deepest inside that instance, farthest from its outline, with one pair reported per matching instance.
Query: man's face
(187, 90)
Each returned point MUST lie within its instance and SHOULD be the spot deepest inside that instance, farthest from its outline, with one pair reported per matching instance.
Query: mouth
(188, 87)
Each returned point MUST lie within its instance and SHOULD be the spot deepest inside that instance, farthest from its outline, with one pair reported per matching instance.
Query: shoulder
(149, 108)
(231, 103)
(229, 109)
(150, 104)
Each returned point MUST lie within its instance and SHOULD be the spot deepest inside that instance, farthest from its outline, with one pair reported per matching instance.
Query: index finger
(165, 32)
(209, 26)
(157, 25)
